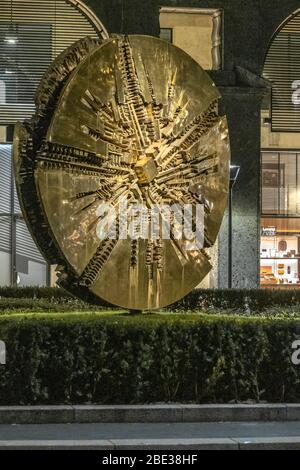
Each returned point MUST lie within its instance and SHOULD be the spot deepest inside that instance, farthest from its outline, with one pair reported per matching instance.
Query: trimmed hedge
(244, 300)
(111, 359)
(35, 292)
(14, 305)
(42, 299)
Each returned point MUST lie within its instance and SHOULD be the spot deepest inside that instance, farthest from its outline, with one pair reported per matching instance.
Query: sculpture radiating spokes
(137, 121)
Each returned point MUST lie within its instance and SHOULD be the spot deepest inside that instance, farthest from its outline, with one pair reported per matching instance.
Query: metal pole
(234, 173)
(13, 229)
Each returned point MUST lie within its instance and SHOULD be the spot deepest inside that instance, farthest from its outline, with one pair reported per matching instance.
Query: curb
(277, 443)
(176, 413)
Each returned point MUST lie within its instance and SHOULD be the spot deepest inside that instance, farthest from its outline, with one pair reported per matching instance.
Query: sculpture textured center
(146, 170)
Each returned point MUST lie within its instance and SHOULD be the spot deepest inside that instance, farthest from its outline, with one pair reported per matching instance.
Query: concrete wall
(192, 33)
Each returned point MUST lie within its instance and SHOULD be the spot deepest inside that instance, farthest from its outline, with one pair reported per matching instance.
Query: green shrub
(243, 301)
(14, 305)
(115, 358)
(42, 299)
(35, 292)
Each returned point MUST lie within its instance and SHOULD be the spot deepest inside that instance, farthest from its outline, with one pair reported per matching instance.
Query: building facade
(32, 34)
(242, 43)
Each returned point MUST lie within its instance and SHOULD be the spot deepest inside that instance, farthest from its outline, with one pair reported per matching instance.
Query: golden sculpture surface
(130, 118)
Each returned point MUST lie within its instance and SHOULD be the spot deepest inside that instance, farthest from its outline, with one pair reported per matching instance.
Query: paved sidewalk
(238, 435)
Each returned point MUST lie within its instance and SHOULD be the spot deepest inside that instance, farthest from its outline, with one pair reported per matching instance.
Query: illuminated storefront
(280, 218)
(280, 161)
(280, 252)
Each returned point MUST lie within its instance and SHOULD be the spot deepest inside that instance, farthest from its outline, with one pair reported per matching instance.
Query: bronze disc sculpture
(131, 120)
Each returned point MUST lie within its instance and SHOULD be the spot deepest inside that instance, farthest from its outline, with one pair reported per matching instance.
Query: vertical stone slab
(242, 106)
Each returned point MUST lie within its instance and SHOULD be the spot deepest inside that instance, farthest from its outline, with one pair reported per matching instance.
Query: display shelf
(280, 285)
(286, 259)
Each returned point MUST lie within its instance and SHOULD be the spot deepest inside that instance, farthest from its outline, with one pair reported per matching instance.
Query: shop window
(281, 183)
(280, 223)
(166, 34)
(280, 252)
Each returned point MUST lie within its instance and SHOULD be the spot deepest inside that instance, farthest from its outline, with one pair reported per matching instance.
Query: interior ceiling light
(11, 36)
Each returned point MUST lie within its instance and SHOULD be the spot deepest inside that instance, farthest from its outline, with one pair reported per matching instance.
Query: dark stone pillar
(242, 106)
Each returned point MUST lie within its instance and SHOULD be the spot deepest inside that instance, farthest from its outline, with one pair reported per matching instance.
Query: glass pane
(5, 198)
(270, 183)
(166, 34)
(24, 61)
(288, 184)
(280, 252)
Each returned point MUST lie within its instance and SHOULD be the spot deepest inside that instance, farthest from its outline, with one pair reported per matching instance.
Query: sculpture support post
(234, 173)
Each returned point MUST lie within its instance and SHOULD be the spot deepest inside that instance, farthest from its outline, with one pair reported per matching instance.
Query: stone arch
(281, 68)
(279, 28)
